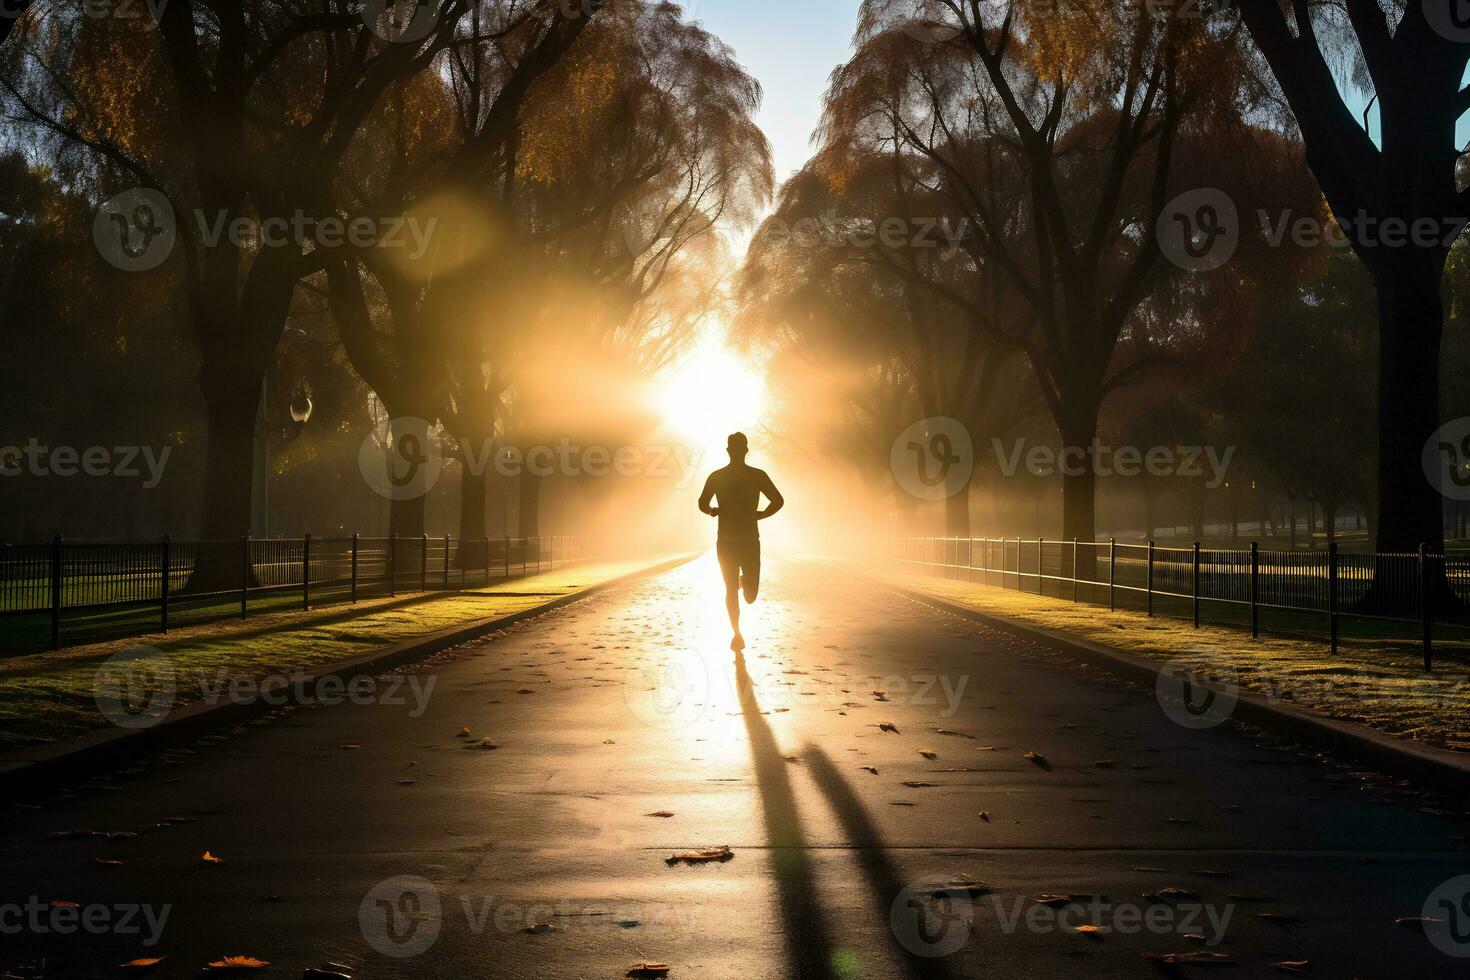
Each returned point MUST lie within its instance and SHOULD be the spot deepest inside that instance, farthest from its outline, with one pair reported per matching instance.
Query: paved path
(352, 832)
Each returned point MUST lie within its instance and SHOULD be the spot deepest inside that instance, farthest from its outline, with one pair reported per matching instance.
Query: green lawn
(46, 696)
(1377, 677)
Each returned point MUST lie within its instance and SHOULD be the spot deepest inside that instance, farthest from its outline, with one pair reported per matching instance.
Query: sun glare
(709, 393)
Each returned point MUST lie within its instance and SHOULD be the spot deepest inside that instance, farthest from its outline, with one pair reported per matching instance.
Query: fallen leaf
(464, 732)
(870, 769)
(1298, 967)
(703, 857)
(929, 753)
(916, 785)
(660, 813)
(487, 743)
(238, 963)
(888, 726)
(962, 885)
(985, 815)
(1415, 921)
(209, 858)
(1039, 759)
(1277, 919)
(1090, 931)
(540, 928)
(1199, 958)
(142, 963)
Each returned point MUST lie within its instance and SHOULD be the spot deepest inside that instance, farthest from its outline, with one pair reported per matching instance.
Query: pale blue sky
(790, 46)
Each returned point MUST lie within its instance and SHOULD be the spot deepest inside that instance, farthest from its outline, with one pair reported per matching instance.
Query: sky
(790, 46)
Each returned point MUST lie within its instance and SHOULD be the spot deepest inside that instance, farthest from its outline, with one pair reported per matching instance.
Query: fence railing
(1421, 588)
(83, 591)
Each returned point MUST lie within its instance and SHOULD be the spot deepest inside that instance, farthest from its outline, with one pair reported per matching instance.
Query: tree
(1052, 130)
(1396, 198)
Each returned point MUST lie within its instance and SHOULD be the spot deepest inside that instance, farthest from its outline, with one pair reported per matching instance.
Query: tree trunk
(1411, 323)
(406, 518)
(957, 515)
(1079, 478)
(472, 502)
(529, 523)
(229, 464)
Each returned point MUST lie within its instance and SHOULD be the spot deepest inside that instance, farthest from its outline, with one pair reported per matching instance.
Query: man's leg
(750, 568)
(730, 571)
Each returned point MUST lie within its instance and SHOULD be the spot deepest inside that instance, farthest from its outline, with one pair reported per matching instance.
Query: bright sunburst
(710, 393)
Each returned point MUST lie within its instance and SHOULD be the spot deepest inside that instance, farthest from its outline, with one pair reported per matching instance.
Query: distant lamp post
(300, 407)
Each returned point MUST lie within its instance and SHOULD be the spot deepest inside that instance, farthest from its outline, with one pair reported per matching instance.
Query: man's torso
(737, 491)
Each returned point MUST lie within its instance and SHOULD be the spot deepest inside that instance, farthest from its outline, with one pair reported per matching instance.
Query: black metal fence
(64, 593)
(1234, 586)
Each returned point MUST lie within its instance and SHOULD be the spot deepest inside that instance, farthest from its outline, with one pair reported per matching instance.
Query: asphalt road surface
(379, 835)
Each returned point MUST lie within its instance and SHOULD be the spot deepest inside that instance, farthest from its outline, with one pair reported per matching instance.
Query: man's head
(737, 446)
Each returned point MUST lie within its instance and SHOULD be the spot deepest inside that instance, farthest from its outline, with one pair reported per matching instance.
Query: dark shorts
(737, 559)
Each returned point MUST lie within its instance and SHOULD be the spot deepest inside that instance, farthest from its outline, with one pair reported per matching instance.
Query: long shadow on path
(807, 941)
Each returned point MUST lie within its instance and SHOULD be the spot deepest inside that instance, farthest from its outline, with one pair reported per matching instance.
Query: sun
(709, 393)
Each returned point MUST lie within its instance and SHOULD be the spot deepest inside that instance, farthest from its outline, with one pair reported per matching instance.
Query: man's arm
(707, 495)
(774, 496)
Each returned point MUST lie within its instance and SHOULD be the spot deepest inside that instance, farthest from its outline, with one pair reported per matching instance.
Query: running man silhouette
(738, 490)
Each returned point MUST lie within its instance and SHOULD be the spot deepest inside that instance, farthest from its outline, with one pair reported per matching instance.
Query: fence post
(354, 566)
(164, 561)
(1074, 569)
(306, 571)
(507, 556)
(1195, 585)
(244, 574)
(1424, 610)
(446, 558)
(424, 562)
(1332, 594)
(393, 565)
(487, 560)
(1112, 571)
(1255, 589)
(1040, 564)
(56, 592)
(1150, 578)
